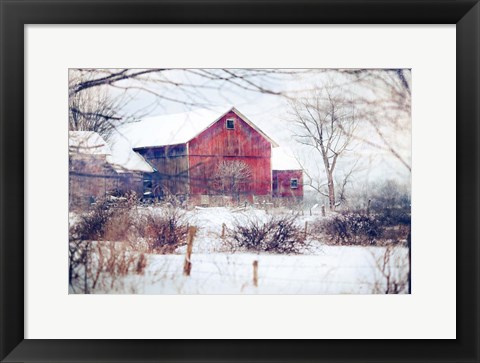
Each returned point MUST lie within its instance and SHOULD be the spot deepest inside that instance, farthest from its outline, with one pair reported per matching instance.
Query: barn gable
(230, 139)
(234, 112)
(231, 135)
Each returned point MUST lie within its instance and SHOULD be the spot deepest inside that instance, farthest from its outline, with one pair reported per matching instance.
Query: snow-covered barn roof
(282, 159)
(121, 157)
(179, 128)
(87, 142)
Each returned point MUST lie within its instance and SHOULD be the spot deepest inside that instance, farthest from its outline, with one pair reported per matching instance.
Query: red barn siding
(281, 183)
(217, 144)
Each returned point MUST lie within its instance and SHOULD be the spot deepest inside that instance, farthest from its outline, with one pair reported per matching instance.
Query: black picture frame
(15, 14)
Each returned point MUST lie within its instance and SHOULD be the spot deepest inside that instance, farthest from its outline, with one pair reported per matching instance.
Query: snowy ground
(215, 270)
(335, 270)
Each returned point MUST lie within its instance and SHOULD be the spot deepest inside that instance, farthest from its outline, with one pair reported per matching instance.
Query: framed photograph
(281, 188)
(196, 197)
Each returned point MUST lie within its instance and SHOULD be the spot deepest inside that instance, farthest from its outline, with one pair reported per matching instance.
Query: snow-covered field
(334, 270)
(323, 269)
(216, 270)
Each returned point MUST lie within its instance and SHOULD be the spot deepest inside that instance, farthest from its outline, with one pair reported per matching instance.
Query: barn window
(230, 124)
(147, 184)
(294, 183)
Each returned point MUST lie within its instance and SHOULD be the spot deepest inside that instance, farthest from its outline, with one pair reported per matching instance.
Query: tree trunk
(331, 192)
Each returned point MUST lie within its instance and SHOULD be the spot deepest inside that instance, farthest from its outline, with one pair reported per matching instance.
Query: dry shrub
(159, 230)
(91, 225)
(117, 222)
(163, 230)
(141, 264)
(391, 271)
(351, 228)
(98, 266)
(110, 242)
(84, 266)
(119, 226)
(109, 219)
(396, 234)
(77, 258)
(394, 216)
(112, 260)
(277, 234)
(150, 231)
(360, 228)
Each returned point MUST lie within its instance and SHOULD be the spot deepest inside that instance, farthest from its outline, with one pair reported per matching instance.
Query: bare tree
(93, 110)
(93, 106)
(247, 79)
(344, 181)
(231, 176)
(384, 98)
(325, 121)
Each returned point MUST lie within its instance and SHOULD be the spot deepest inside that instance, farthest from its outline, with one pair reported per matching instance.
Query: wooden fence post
(187, 267)
(223, 230)
(323, 210)
(255, 273)
(306, 229)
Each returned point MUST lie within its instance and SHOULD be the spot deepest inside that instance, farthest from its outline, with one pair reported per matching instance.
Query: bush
(98, 266)
(122, 234)
(106, 220)
(278, 234)
(163, 230)
(390, 194)
(390, 202)
(391, 271)
(110, 242)
(352, 228)
(146, 230)
(91, 225)
(394, 216)
(150, 231)
(120, 226)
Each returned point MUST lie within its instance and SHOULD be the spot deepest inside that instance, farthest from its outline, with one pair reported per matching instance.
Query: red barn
(205, 155)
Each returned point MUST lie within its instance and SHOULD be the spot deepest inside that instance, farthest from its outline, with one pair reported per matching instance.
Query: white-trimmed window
(230, 123)
(293, 183)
